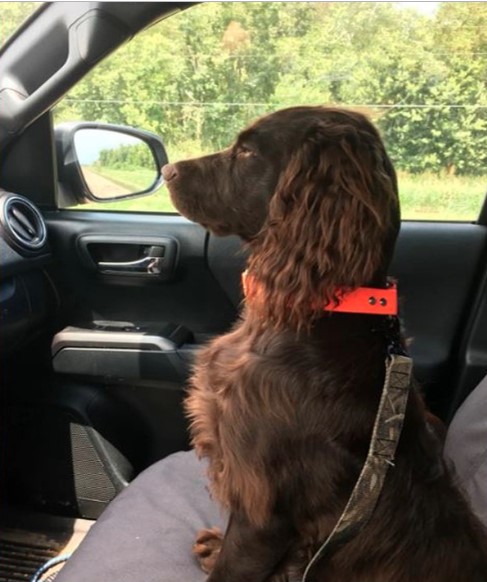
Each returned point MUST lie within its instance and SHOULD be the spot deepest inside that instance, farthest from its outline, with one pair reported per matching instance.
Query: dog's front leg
(251, 554)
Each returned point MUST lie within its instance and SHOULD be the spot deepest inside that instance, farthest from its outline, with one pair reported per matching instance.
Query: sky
(90, 142)
(427, 8)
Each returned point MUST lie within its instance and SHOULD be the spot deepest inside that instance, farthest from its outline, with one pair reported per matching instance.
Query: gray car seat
(147, 532)
(466, 447)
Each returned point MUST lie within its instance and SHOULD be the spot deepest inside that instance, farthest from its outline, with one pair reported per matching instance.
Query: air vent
(23, 224)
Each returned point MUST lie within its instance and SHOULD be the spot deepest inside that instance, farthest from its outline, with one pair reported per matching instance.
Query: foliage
(449, 130)
(126, 157)
(201, 75)
(425, 196)
(13, 15)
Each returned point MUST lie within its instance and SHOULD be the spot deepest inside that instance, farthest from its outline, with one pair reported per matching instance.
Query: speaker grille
(91, 480)
(58, 464)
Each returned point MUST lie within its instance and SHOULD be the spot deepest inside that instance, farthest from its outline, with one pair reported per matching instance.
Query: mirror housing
(102, 162)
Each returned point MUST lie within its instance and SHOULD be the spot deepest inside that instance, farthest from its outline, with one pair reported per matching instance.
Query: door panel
(438, 266)
(472, 357)
(125, 315)
(84, 435)
(192, 297)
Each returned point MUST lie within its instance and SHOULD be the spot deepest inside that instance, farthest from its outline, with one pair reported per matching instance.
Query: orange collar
(369, 300)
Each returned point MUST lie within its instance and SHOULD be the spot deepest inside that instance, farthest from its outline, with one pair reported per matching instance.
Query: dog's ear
(331, 222)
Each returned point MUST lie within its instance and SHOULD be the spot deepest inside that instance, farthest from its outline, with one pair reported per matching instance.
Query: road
(103, 187)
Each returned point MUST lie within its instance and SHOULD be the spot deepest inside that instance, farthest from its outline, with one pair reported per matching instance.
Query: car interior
(102, 311)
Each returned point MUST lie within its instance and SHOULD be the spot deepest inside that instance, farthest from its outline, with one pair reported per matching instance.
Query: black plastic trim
(483, 212)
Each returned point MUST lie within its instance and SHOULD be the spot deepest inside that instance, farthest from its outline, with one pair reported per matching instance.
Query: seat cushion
(146, 533)
(466, 447)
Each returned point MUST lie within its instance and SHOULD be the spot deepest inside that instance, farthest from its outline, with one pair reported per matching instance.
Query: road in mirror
(114, 164)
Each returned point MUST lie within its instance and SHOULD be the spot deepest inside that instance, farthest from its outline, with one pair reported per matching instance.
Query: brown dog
(283, 406)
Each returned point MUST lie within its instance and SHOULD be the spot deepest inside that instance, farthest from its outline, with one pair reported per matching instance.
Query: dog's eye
(245, 152)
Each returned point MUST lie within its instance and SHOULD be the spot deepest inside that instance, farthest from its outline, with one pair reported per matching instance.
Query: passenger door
(112, 404)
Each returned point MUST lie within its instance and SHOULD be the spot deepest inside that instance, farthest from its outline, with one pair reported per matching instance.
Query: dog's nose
(169, 172)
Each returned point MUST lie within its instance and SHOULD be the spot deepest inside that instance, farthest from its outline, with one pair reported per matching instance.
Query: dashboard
(27, 294)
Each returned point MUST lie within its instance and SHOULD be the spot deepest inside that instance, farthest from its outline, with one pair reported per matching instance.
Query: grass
(423, 196)
(136, 180)
(441, 197)
(159, 201)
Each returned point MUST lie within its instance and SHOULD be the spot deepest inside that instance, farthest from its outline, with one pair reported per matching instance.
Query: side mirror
(103, 162)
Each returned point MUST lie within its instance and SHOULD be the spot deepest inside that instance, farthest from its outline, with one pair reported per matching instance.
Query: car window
(418, 69)
(13, 15)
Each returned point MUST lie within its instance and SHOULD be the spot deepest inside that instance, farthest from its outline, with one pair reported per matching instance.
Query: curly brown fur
(283, 405)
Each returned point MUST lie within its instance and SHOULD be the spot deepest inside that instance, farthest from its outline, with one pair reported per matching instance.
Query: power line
(250, 58)
(249, 104)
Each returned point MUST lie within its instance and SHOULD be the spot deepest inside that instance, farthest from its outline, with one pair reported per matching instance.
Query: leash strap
(385, 437)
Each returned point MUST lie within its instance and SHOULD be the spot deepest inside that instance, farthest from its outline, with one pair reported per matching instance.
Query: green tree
(203, 74)
(126, 157)
(449, 129)
(13, 15)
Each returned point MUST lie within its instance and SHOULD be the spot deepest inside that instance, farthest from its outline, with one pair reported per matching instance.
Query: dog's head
(313, 192)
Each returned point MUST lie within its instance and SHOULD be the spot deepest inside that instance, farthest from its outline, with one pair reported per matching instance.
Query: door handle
(151, 257)
(145, 266)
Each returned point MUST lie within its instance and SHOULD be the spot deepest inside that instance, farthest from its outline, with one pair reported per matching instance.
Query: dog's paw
(207, 547)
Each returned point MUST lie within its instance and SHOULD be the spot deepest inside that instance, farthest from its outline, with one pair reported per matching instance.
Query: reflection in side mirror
(115, 164)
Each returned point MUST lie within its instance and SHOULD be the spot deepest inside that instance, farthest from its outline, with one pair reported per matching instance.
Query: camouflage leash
(385, 437)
